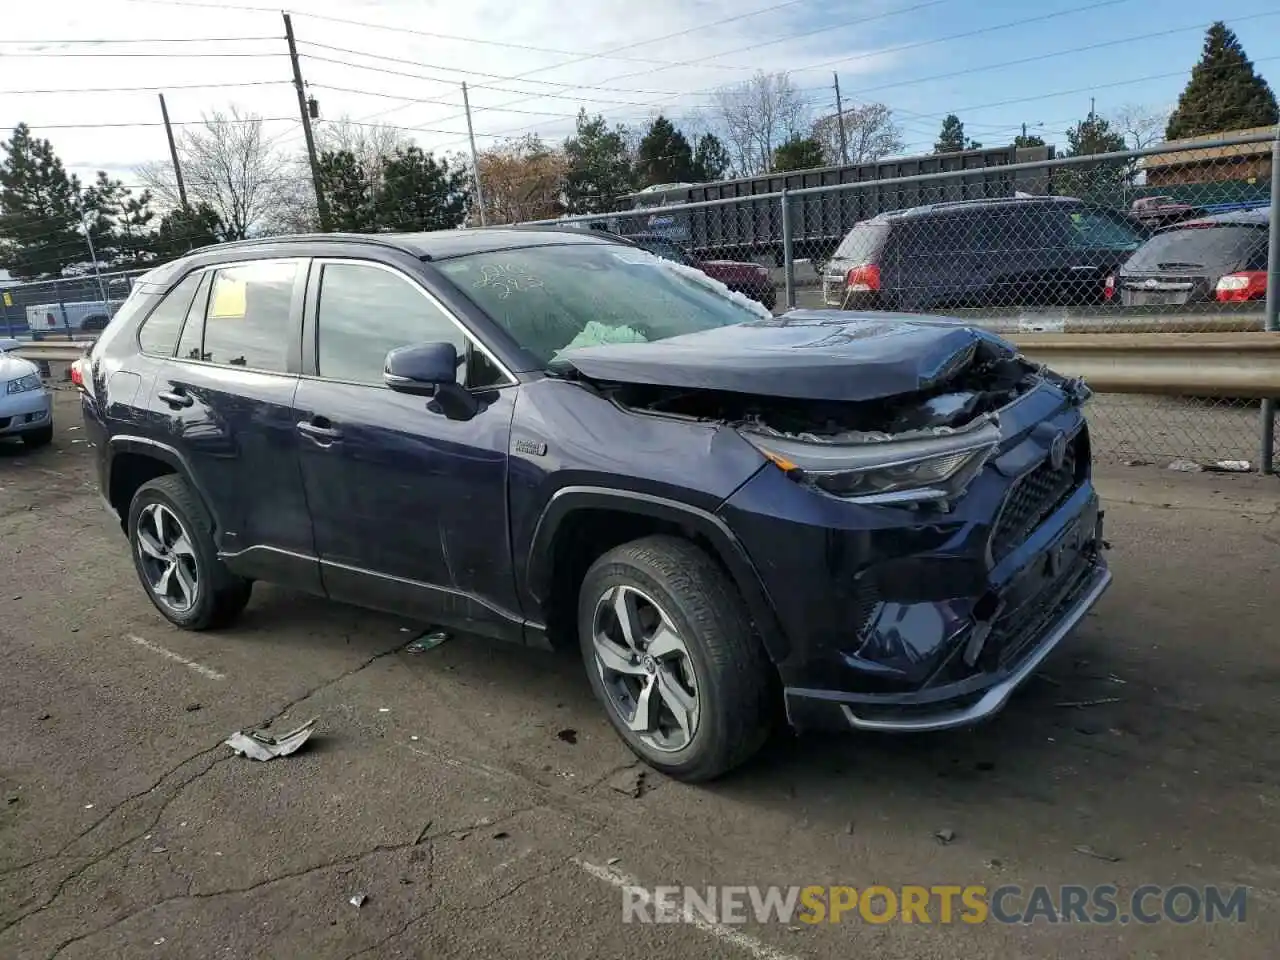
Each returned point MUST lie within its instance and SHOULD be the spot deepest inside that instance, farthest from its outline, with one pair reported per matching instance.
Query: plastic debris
(1088, 851)
(945, 835)
(1089, 703)
(1185, 466)
(612, 860)
(629, 782)
(358, 900)
(1230, 466)
(428, 641)
(1137, 463)
(259, 746)
(567, 735)
(384, 709)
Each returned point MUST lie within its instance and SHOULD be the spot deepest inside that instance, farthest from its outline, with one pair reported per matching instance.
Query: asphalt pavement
(471, 800)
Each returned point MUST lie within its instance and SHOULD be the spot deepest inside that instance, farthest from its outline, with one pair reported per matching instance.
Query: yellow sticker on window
(228, 299)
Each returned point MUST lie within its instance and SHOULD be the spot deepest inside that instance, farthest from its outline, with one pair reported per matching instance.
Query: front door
(223, 398)
(408, 507)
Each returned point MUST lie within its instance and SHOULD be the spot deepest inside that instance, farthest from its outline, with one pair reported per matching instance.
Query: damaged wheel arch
(571, 505)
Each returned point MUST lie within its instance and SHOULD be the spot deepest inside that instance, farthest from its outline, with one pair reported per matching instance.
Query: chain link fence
(1173, 239)
(67, 308)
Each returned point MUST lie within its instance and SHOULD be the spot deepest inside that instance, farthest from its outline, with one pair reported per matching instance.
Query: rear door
(409, 507)
(223, 399)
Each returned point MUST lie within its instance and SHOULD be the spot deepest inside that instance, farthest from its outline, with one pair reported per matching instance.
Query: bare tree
(228, 164)
(869, 132)
(371, 145)
(757, 116)
(1140, 125)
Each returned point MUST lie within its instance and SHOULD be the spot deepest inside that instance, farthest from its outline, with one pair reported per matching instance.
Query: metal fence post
(1272, 321)
(788, 253)
(66, 321)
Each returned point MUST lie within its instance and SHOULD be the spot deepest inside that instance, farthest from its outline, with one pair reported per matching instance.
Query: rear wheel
(38, 438)
(177, 562)
(671, 653)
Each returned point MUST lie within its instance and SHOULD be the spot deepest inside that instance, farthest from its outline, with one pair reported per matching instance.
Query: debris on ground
(1185, 466)
(428, 641)
(629, 782)
(995, 863)
(612, 860)
(1088, 703)
(159, 849)
(568, 735)
(848, 828)
(358, 900)
(193, 707)
(501, 835)
(12, 798)
(1137, 463)
(1088, 851)
(945, 835)
(1229, 466)
(384, 709)
(259, 746)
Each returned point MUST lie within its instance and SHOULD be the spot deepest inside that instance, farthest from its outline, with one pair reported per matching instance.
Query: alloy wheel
(167, 558)
(645, 667)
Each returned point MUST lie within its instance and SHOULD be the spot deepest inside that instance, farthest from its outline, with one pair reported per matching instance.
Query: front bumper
(23, 412)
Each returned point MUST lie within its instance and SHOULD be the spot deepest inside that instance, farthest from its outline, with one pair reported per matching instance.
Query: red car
(749, 279)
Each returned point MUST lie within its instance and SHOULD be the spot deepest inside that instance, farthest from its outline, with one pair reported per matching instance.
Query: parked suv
(553, 437)
(980, 253)
(1222, 258)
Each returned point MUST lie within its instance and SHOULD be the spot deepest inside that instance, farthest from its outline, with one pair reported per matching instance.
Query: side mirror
(421, 368)
(430, 370)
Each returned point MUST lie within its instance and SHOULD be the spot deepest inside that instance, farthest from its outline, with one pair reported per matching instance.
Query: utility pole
(173, 154)
(1092, 103)
(844, 142)
(475, 161)
(322, 204)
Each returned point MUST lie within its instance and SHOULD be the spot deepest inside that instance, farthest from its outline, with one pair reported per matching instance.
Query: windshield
(554, 298)
(1219, 247)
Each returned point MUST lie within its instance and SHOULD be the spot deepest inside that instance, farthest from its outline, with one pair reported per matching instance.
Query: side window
(189, 346)
(366, 311)
(1095, 230)
(159, 333)
(247, 322)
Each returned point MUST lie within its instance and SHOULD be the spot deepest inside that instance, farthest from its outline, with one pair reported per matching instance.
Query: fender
(127, 443)
(730, 551)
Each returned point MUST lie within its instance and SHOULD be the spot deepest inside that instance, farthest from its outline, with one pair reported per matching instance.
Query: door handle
(175, 398)
(318, 433)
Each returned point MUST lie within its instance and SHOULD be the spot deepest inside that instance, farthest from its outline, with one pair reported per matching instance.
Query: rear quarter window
(159, 332)
(863, 243)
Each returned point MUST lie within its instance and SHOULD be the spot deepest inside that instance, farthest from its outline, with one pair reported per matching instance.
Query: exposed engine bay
(991, 380)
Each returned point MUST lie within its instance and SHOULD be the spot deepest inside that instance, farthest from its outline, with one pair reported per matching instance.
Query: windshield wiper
(1175, 264)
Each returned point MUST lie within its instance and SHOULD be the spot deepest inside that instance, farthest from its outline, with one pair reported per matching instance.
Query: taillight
(1109, 289)
(863, 279)
(77, 375)
(48, 318)
(1246, 285)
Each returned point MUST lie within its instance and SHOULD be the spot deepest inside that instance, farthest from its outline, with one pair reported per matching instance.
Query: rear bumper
(957, 705)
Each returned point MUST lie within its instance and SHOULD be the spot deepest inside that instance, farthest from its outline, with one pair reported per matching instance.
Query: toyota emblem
(1058, 451)
(1151, 284)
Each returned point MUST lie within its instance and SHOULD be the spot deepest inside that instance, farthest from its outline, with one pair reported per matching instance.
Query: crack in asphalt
(96, 859)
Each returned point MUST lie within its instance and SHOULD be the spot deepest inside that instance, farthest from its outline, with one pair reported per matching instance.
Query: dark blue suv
(876, 521)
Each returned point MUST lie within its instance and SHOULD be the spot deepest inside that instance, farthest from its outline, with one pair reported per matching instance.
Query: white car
(26, 407)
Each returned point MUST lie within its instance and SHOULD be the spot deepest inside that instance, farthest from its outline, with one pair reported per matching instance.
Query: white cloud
(580, 27)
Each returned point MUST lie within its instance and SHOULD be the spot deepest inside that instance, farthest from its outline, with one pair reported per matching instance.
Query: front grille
(1036, 495)
(1013, 634)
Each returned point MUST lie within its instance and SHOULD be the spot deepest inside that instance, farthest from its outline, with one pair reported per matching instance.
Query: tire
(216, 596)
(731, 678)
(35, 439)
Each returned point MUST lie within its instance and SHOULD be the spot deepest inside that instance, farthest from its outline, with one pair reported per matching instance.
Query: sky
(531, 65)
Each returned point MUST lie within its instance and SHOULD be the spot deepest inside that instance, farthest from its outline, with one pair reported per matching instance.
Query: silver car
(26, 407)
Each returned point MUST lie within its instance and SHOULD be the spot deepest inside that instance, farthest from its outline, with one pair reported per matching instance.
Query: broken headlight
(903, 470)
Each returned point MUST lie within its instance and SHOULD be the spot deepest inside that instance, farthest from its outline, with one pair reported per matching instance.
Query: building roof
(1208, 154)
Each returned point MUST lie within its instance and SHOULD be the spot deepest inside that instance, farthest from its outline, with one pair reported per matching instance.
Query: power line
(149, 123)
(165, 87)
(443, 103)
(71, 40)
(172, 56)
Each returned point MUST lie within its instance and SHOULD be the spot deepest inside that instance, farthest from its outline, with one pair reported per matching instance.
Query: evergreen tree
(185, 229)
(421, 193)
(1093, 135)
(39, 211)
(664, 155)
(1224, 93)
(951, 137)
(710, 159)
(118, 223)
(599, 166)
(349, 189)
(1024, 140)
(798, 153)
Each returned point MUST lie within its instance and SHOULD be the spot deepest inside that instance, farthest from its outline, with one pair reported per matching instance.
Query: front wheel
(177, 561)
(671, 653)
(38, 438)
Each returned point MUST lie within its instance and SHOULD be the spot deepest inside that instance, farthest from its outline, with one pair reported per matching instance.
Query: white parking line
(199, 668)
(749, 944)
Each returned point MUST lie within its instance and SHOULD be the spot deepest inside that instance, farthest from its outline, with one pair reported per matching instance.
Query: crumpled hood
(804, 355)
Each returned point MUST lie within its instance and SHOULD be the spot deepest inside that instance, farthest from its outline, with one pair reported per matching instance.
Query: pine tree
(119, 223)
(599, 166)
(710, 159)
(185, 229)
(951, 136)
(798, 153)
(1224, 93)
(349, 189)
(664, 155)
(1024, 140)
(39, 212)
(421, 193)
(1093, 135)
